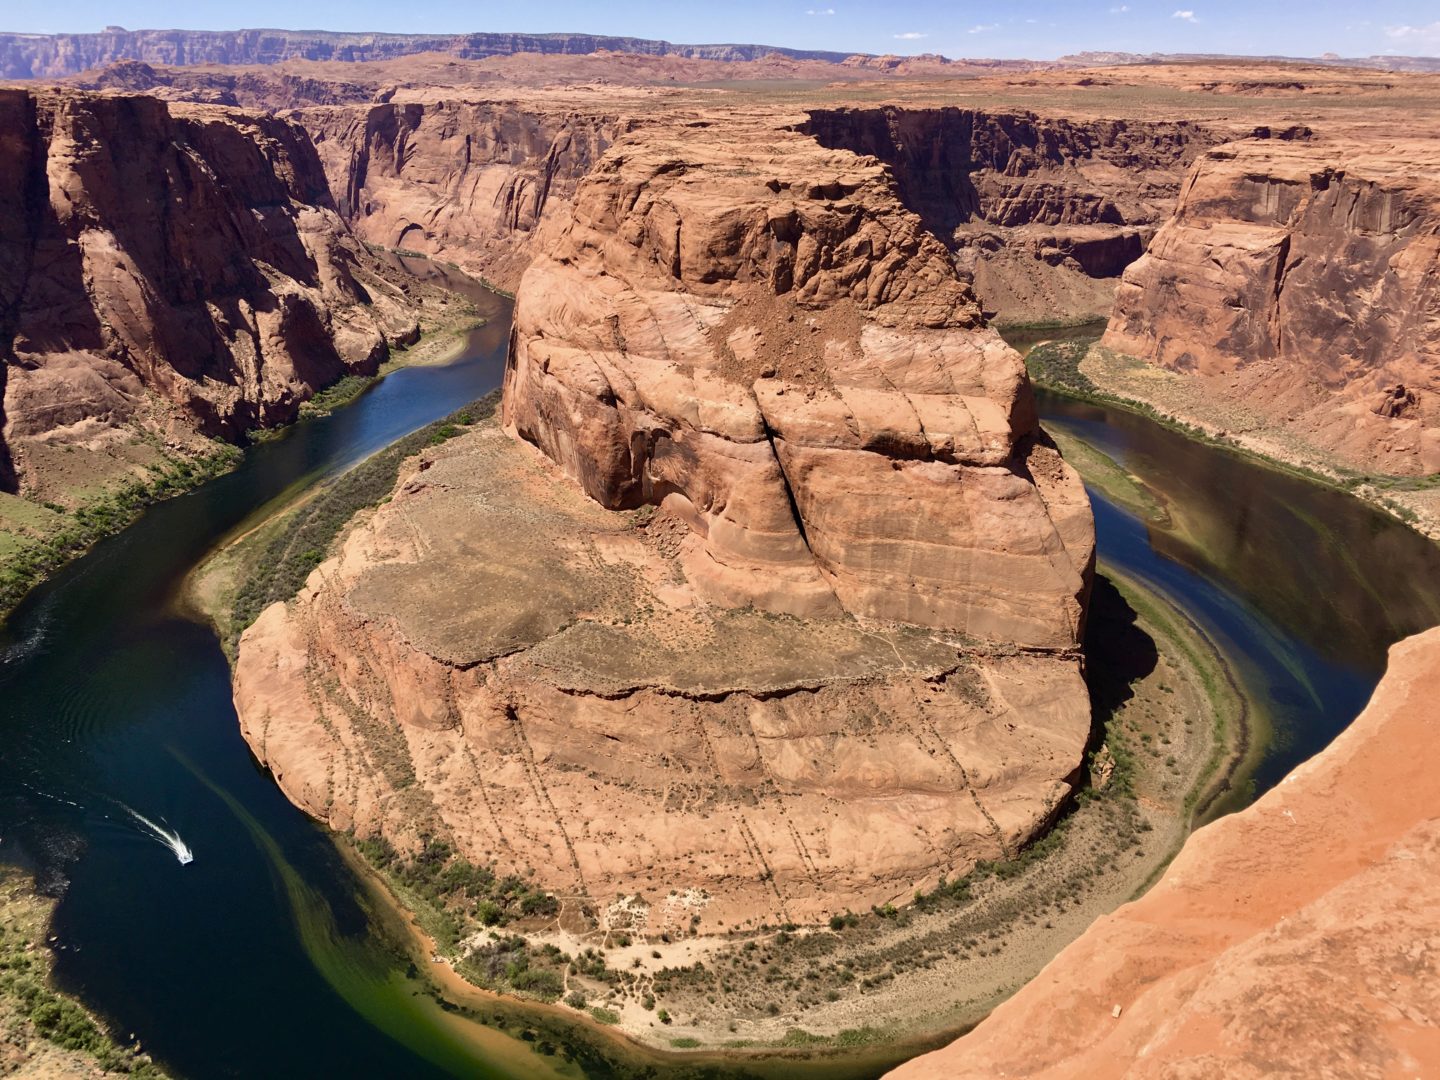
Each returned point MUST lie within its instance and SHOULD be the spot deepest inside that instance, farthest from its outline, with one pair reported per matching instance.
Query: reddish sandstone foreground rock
(752, 331)
(177, 254)
(496, 660)
(1301, 276)
(754, 640)
(1296, 938)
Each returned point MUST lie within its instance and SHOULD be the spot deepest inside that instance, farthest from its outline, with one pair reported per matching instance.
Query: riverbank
(44, 1033)
(1172, 732)
(1171, 725)
(1082, 368)
(95, 492)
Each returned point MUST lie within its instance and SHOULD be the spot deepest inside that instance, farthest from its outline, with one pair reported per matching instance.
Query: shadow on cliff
(1118, 654)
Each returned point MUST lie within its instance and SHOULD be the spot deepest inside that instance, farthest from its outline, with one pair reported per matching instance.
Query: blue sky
(1038, 29)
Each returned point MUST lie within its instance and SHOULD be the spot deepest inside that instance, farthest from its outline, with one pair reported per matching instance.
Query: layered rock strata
(1301, 276)
(785, 617)
(27, 56)
(466, 181)
(170, 264)
(1044, 213)
(752, 331)
(496, 660)
(1294, 938)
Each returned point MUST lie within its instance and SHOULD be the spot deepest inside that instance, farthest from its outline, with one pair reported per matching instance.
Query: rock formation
(1301, 275)
(1043, 212)
(170, 264)
(751, 330)
(32, 56)
(467, 181)
(1295, 938)
(748, 631)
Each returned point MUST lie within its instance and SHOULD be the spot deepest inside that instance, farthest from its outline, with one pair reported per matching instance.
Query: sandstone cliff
(751, 330)
(1301, 276)
(747, 633)
(29, 56)
(169, 265)
(467, 181)
(1295, 938)
(1043, 212)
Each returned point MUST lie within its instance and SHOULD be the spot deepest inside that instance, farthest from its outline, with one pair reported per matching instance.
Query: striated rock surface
(167, 265)
(1302, 276)
(1043, 212)
(752, 331)
(747, 629)
(467, 181)
(496, 660)
(1295, 938)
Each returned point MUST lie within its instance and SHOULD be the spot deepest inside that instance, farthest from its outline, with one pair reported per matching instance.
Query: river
(260, 957)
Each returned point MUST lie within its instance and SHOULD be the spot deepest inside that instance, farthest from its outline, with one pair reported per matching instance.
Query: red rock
(1310, 268)
(1295, 938)
(183, 252)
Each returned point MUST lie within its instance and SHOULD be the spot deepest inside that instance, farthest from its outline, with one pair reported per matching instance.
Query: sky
(1036, 29)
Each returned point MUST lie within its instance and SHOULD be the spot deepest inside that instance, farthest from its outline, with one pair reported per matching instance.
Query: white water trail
(46, 795)
(168, 837)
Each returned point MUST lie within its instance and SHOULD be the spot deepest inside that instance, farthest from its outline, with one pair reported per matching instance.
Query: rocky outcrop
(170, 263)
(461, 180)
(249, 89)
(785, 617)
(496, 660)
(1301, 276)
(1294, 938)
(32, 56)
(1036, 208)
(752, 331)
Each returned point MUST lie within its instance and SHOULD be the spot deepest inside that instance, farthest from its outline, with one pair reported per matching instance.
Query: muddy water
(262, 958)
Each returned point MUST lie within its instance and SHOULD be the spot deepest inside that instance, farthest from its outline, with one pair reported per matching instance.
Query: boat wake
(167, 837)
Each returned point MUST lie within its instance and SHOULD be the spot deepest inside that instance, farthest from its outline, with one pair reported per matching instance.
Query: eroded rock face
(1294, 938)
(1302, 276)
(461, 180)
(1043, 212)
(747, 628)
(752, 331)
(180, 255)
(497, 660)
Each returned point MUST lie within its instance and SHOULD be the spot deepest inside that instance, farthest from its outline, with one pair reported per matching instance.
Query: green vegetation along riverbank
(89, 494)
(1075, 364)
(1171, 723)
(44, 1033)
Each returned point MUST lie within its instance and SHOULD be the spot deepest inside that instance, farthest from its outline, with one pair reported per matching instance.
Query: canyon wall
(1043, 213)
(460, 180)
(1295, 938)
(751, 330)
(170, 264)
(1300, 277)
(33, 56)
(784, 616)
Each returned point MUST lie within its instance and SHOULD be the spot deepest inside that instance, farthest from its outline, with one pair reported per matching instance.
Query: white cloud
(821, 11)
(1119, 9)
(982, 27)
(910, 35)
(1425, 35)
(1185, 16)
